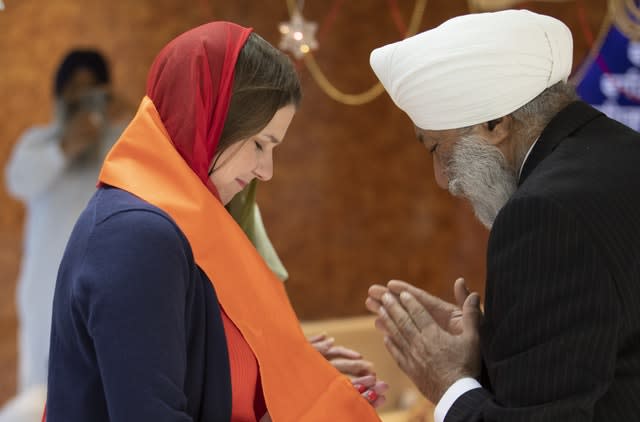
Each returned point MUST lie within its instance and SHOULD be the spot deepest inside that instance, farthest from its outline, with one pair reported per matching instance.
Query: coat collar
(567, 121)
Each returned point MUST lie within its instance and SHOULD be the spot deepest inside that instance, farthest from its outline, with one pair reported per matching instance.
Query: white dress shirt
(54, 191)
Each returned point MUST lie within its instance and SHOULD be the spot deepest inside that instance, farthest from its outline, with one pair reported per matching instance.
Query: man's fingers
(374, 301)
(376, 291)
(398, 286)
(397, 321)
(385, 323)
(440, 310)
(372, 305)
(471, 314)
(428, 301)
(396, 353)
(379, 322)
(419, 315)
(460, 291)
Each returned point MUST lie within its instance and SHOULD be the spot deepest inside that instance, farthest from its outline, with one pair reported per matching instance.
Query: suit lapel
(566, 122)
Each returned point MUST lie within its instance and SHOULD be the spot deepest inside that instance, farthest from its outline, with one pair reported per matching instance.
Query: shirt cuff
(452, 394)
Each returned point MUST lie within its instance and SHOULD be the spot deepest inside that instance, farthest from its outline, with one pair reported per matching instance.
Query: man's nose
(440, 173)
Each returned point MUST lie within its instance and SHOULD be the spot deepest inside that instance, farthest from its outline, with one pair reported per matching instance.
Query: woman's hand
(350, 363)
(347, 361)
(371, 389)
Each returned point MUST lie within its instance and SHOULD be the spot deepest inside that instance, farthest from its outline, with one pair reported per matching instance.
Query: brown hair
(264, 82)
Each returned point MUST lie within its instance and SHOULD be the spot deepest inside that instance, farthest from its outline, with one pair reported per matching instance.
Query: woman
(163, 309)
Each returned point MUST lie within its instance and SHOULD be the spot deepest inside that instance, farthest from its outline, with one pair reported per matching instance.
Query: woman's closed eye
(258, 145)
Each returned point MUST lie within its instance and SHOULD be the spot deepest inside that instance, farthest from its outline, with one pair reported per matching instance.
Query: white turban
(474, 68)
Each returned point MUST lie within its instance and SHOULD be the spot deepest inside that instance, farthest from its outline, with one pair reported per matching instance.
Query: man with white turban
(558, 184)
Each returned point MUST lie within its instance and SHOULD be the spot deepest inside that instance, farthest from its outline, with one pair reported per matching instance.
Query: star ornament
(298, 36)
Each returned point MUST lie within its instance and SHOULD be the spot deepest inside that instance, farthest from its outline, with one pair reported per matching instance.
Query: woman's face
(250, 158)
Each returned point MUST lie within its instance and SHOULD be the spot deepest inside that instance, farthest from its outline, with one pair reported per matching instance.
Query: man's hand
(82, 131)
(434, 342)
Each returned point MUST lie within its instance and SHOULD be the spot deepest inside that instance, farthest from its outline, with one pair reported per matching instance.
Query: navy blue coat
(137, 333)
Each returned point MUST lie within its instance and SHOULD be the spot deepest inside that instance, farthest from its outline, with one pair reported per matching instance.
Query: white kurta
(54, 191)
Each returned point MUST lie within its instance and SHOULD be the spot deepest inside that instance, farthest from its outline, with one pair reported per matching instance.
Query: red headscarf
(190, 85)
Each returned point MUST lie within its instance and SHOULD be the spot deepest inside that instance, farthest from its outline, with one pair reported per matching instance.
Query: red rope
(329, 19)
(586, 30)
(397, 17)
(331, 16)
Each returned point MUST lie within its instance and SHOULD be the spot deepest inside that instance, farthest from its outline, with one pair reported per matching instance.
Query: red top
(247, 401)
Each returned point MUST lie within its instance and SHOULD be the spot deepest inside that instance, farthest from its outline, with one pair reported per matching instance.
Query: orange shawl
(298, 383)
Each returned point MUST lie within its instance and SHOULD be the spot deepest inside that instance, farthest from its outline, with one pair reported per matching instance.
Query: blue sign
(611, 79)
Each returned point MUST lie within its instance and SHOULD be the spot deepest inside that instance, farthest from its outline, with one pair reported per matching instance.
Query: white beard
(479, 172)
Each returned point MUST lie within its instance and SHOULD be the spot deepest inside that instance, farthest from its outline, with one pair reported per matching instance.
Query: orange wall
(353, 199)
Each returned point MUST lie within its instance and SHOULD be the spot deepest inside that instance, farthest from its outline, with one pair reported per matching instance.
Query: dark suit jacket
(561, 337)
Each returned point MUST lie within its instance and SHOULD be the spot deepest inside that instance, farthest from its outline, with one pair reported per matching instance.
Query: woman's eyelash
(258, 145)
(433, 148)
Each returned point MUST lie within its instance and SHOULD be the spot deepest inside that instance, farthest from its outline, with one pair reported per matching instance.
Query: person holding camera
(53, 170)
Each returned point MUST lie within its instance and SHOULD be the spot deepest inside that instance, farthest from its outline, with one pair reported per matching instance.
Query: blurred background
(353, 200)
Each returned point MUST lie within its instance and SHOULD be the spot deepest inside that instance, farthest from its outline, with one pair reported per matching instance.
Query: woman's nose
(264, 171)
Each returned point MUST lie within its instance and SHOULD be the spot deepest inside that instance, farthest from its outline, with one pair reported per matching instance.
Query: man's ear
(497, 131)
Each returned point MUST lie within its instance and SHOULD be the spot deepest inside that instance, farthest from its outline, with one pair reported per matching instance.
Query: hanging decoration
(626, 16)
(323, 82)
(298, 35)
(610, 77)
